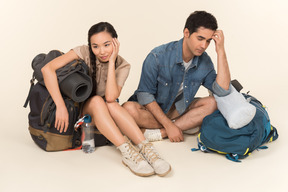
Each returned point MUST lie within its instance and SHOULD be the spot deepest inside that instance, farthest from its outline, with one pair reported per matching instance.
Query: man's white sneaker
(153, 135)
(134, 160)
(160, 166)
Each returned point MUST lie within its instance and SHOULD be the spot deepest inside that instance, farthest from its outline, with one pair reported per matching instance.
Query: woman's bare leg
(125, 122)
(97, 108)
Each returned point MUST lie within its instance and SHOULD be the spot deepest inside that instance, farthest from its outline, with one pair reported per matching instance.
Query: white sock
(152, 132)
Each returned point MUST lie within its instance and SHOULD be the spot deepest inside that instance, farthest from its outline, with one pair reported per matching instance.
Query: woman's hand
(112, 89)
(115, 45)
(61, 119)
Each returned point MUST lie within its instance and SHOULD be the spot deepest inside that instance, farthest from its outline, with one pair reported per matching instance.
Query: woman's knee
(96, 100)
(112, 106)
(93, 103)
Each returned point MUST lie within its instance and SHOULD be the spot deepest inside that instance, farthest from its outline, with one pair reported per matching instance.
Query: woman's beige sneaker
(135, 161)
(160, 166)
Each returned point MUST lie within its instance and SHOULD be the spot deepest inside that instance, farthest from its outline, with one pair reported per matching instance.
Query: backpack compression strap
(29, 94)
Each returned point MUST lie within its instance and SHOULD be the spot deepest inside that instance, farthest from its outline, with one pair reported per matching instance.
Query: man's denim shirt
(163, 73)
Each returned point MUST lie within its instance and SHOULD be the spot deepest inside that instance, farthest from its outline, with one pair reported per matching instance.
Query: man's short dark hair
(200, 19)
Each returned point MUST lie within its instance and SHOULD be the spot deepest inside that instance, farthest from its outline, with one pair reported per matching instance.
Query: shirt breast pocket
(164, 86)
(195, 85)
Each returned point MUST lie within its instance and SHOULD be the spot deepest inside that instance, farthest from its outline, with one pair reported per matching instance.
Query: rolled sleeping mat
(76, 86)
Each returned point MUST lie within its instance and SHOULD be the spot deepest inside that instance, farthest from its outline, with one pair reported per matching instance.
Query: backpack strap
(201, 146)
(29, 94)
(273, 135)
(237, 85)
(233, 157)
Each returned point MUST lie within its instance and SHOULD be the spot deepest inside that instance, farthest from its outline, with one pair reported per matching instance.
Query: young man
(164, 103)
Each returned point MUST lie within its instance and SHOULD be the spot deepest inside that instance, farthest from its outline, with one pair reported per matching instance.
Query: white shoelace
(150, 153)
(133, 154)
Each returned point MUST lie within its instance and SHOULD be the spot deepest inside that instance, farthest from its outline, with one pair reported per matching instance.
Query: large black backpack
(42, 120)
(75, 85)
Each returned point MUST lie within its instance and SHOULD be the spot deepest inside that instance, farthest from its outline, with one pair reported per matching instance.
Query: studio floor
(25, 167)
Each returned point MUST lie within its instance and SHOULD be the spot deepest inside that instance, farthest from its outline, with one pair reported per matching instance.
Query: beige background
(256, 45)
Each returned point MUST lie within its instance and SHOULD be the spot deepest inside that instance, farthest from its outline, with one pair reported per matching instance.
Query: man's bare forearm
(157, 112)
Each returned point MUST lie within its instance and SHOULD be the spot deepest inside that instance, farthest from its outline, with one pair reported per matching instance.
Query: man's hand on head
(218, 38)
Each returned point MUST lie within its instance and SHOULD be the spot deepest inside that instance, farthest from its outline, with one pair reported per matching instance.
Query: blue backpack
(216, 136)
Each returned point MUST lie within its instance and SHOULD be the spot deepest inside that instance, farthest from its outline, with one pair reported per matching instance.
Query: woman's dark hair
(200, 19)
(97, 28)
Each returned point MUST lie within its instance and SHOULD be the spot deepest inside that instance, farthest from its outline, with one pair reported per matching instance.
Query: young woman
(109, 72)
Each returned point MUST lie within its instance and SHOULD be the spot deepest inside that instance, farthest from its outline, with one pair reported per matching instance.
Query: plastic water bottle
(88, 145)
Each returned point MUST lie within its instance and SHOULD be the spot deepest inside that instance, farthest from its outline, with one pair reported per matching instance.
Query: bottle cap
(87, 119)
